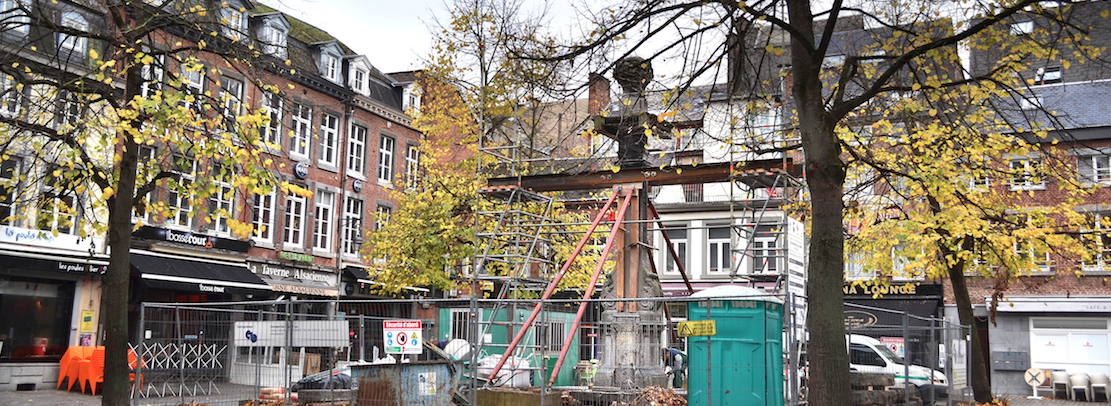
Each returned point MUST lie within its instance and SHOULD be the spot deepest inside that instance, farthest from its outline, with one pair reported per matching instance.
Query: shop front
(1051, 333)
(49, 301)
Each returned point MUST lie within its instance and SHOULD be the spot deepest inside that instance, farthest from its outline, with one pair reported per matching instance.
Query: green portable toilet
(742, 364)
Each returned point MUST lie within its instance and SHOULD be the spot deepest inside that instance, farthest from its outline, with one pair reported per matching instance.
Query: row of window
(718, 252)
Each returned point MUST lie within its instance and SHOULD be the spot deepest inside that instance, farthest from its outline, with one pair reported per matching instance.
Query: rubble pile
(659, 396)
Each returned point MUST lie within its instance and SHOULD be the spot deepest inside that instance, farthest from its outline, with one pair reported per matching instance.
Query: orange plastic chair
(132, 362)
(63, 365)
(96, 375)
(85, 366)
(73, 371)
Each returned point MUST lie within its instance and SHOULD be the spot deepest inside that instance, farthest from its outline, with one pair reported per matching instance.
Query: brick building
(337, 128)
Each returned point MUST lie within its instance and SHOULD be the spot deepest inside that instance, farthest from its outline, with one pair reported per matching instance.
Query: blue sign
(357, 185)
(301, 170)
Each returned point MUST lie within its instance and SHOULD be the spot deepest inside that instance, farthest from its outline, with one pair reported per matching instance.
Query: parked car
(868, 355)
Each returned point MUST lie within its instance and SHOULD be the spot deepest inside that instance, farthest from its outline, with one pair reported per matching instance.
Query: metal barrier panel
(738, 349)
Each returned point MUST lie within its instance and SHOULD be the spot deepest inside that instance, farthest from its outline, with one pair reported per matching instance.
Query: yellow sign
(87, 320)
(697, 328)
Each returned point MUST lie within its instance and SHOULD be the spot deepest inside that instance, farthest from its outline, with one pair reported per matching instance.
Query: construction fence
(712, 350)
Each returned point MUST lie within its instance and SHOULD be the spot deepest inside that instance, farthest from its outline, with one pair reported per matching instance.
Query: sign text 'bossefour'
(188, 238)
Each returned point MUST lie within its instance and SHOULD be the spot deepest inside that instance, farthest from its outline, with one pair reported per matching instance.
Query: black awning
(360, 274)
(196, 275)
(60, 263)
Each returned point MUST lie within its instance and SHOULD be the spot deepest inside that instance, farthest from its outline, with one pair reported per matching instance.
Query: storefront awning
(196, 274)
(54, 262)
(362, 276)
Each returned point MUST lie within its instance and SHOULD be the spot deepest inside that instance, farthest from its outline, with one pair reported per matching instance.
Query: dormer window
(358, 82)
(411, 98)
(273, 36)
(273, 40)
(15, 13)
(329, 66)
(329, 62)
(233, 22)
(358, 74)
(73, 44)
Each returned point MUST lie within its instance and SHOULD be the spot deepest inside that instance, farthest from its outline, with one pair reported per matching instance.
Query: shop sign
(908, 289)
(294, 256)
(402, 336)
(41, 238)
(859, 318)
(211, 288)
(296, 280)
(188, 238)
(306, 333)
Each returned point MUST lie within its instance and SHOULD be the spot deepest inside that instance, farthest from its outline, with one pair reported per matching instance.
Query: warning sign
(696, 328)
(402, 336)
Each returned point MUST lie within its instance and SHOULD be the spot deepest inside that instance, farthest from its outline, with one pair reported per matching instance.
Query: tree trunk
(116, 285)
(981, 385)
(825, 175)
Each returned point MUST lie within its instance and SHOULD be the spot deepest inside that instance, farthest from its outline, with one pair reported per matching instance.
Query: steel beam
(753, 173)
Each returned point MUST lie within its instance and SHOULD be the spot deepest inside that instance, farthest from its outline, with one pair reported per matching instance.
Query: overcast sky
(393, 34)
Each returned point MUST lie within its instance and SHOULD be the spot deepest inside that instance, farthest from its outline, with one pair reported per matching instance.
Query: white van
(869, 355)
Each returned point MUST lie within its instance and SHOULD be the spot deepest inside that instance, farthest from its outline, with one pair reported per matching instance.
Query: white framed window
(329, 66)
(9, 181)
(70, 110)
(274, 40)
(192, 81)
(980, 182)
(262, 217)
(1046, 76)
(221, 204)
(152, 76)
(1026, 174)
(359, 80)
(1070, 343)
(301, 123)
(58, 204)
(322, 220)
(1094, 169)
(356, 150)
(352, 226)
(679, 243)
(73, 44)
(329, 135)
(1022, 28)
(294, 232)
(719, 247)
(14, 15)
(11, 100)
(178, 196)
(272, 106)
(385, 159)
(233, 22)
(411, 98)
(231, 96)
(147, 161)
(382, 216)
(412, 166)
(1038, 253)
(1096, 237)
(1031, 102)
(765, 256)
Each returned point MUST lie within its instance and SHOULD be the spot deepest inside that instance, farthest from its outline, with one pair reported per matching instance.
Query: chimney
(599, 95)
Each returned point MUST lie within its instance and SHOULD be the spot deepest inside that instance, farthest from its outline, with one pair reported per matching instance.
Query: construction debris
(659, 396)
